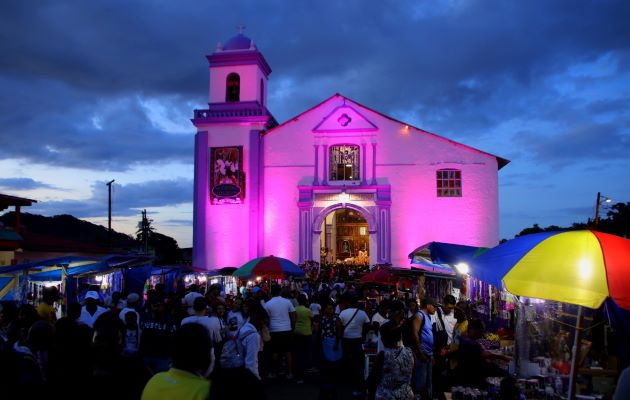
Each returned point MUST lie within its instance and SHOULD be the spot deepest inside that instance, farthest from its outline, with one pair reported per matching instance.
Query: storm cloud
(127, 199)
(110, 85)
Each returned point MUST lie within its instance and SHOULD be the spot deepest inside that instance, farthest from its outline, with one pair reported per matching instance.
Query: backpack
(233, 352)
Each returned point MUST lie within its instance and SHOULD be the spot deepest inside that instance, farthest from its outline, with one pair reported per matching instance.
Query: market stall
(579, 270)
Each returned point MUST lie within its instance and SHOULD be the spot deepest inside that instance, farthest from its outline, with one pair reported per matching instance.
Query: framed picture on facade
(227, 179)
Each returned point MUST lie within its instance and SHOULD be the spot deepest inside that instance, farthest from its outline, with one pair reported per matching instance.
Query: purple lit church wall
(291, 185)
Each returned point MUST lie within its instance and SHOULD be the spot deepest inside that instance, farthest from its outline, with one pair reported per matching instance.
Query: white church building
(340, 182)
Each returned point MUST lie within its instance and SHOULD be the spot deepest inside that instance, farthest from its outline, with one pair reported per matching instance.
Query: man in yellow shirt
(191, 358)
(46, 309)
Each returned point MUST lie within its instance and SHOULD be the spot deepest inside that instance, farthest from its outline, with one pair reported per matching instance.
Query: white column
(325, 177)
(364, 163)
(316, 172)
(373, 163)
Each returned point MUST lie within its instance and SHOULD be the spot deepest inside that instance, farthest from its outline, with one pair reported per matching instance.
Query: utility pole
(597, 204)
(109, 213)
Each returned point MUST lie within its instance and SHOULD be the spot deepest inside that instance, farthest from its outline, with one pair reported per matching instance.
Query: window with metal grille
(344, 163)
(449, 183)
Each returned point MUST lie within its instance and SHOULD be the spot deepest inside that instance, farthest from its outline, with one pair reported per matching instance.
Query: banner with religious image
(227, 179)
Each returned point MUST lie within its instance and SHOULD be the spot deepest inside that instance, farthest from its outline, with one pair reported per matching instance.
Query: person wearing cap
(91, 310)
(132, 302)
(419, 338)
(189, 300)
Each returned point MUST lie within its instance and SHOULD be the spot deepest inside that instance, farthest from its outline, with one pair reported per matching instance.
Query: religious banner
(227, 179)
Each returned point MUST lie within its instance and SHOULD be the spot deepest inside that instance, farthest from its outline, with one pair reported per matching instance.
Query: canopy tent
(127, 260)
(54, 269)
(422, 264)
(7, 283)
(74, 261)
(446, 253)
(57, 274)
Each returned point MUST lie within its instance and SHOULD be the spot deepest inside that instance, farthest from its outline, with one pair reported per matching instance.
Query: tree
(165, 248)
(617, 222)
(145, 231)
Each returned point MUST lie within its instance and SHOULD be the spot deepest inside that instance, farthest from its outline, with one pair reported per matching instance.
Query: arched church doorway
(345, 238)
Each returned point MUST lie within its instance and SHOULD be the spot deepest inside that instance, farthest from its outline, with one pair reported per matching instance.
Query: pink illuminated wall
(287, 185)
(407, 160)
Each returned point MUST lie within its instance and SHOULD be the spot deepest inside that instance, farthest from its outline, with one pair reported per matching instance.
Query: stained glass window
(449, 183)
(344, 163)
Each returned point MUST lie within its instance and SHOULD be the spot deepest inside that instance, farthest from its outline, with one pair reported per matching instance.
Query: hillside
(70, 228)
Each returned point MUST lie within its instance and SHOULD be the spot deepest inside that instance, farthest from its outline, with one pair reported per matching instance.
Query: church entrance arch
(371, 204)
(368, 245)
(344, 236)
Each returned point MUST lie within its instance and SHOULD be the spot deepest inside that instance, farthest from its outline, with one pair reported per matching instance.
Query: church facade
(339, 182)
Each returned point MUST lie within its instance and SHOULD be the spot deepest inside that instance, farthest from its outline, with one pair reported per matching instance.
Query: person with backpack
(443, 325)
(239, 362)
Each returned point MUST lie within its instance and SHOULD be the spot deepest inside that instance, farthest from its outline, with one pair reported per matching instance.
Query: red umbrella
(380, 277)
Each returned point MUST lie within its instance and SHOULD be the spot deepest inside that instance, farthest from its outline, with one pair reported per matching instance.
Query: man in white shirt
(91, 310)
(443, 322)
(200, 307)
(189, 299)
(353, 322)
(282, 320)
(132, 303)
(447, 316)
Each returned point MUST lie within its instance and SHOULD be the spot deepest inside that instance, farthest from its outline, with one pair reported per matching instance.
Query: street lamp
(600, 200)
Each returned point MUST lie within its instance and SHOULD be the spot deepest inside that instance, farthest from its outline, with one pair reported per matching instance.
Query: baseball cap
(91, 295)
(190, 300)
(132, 297)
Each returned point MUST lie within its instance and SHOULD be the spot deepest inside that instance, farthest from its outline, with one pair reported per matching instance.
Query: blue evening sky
(99, 90)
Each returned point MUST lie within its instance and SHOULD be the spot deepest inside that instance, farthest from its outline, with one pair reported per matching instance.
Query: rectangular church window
(449, 183)
(344, 162)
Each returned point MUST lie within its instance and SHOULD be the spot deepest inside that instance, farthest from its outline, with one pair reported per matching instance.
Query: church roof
(238, 42)
(502, 162)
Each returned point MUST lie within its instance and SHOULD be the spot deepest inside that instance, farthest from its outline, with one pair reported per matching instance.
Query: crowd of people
(199, 344)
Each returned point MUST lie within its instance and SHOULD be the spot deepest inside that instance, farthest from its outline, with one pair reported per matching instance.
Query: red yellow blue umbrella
(577, 267)
(269, 267)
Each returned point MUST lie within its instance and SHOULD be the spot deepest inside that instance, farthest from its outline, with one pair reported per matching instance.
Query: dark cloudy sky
(98, 90)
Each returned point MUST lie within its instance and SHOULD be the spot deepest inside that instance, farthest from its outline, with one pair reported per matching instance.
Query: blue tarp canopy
(6, 284)
(448, 253)
(127, 260)
(68, 261)
(423, 264)
(75, 272)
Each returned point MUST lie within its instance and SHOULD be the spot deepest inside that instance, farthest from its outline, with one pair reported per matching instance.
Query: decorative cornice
(250, 111)
(246, 57)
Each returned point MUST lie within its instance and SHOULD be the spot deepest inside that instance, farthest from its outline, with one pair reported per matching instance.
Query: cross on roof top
(241, 28)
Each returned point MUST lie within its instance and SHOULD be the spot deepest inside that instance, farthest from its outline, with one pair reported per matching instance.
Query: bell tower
(228, 211)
